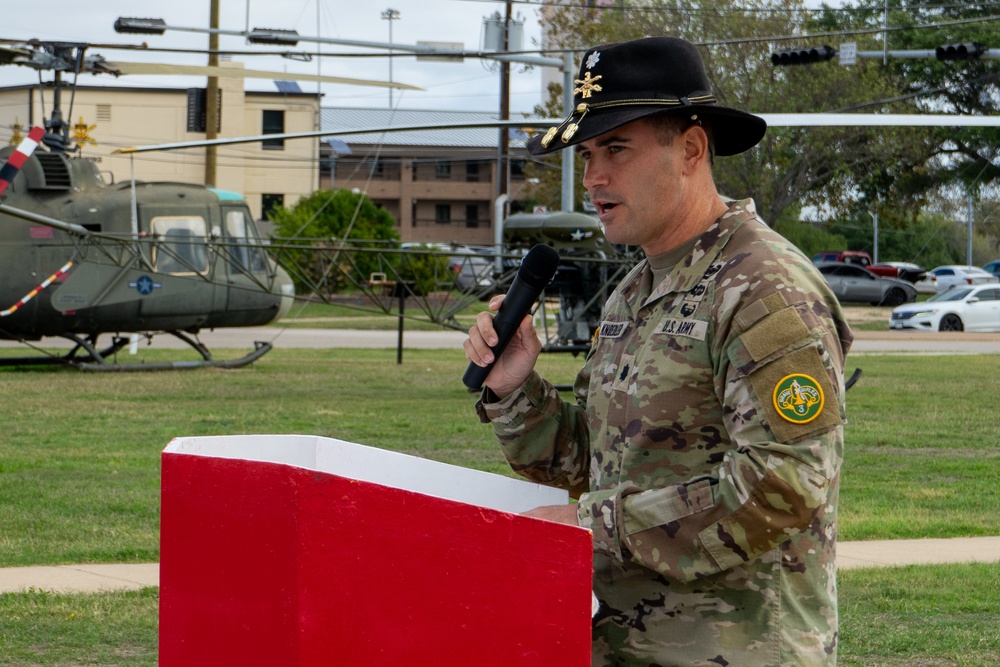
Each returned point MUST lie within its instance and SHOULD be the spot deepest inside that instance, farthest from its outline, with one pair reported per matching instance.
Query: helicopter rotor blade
(12, 55)
(526, 124)
(118, 67)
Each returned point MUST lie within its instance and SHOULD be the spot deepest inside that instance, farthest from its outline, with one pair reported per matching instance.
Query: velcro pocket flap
(657, 507)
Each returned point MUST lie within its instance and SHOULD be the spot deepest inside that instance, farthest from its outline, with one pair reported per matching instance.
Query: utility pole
(968, 256)
(503, 157)
(212, 96)
(875, 223)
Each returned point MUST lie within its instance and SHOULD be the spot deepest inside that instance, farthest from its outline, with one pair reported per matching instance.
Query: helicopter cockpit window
(245, 248)
(181, 244)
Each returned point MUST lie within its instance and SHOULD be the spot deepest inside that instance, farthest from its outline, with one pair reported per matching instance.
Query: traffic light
(803, 56)
(961, 51)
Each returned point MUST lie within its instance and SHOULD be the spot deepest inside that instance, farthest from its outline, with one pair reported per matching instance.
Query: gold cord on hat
(583, 108)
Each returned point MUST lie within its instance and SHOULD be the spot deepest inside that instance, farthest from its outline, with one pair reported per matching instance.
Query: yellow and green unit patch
(798, 398)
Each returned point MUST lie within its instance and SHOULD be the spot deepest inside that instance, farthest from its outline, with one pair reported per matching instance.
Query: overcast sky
(471, 86)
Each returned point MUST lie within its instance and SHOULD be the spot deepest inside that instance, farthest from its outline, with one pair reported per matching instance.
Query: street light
(390, 15)
(273, 36)
(134, 26)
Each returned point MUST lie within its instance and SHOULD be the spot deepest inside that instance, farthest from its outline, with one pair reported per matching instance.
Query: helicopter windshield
(245, 248)
(181, 247)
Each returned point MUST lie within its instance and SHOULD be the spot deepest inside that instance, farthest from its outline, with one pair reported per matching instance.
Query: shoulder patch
(798, 398)
(796, 395)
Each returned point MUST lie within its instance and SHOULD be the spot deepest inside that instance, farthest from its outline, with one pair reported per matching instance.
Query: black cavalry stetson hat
(620, 83)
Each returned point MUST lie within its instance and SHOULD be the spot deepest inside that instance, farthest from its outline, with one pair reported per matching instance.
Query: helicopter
(82, 257)
(189, 260)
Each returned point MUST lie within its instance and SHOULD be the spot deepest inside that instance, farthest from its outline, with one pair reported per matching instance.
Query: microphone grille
(539, 265)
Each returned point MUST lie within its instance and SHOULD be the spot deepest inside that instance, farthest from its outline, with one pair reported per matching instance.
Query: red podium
(302, 551)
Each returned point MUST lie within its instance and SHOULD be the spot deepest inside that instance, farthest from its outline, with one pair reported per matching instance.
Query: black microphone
(536, 271)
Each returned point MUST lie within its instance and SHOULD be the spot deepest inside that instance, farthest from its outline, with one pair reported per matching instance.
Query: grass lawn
(928, 616)
(79, 482)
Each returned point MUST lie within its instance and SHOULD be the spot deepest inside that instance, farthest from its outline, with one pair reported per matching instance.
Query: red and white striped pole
(33, 293)
(19, 156)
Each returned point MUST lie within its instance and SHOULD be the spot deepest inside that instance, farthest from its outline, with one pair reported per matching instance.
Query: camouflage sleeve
(544, 438)
(779, 476)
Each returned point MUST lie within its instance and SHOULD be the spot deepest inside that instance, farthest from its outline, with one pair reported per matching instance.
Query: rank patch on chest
(612, 329)
(691, 328)
(623, 378)
(798, 398)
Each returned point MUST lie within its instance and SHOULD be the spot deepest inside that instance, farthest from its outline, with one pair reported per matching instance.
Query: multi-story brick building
(440, 185)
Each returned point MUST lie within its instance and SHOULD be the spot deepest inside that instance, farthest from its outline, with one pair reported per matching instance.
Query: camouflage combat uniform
(705, 448)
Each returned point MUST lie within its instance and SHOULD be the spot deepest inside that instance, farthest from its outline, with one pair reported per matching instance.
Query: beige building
(105, 119)
(440, 185)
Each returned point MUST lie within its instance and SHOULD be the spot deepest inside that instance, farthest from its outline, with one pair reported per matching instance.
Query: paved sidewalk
(96, 578)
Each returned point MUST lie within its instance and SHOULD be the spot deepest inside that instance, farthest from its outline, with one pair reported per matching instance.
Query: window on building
(375, 168)
(269, 203)
(442, 214)
(471, 171)
(517, 168)
(442, 169)
(471, 215)
(273, 122)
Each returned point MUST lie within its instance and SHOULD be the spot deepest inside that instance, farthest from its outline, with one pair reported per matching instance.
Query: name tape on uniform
(691, 328)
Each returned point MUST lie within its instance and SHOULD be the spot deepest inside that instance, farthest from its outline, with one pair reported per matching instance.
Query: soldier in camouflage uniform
(705, 441)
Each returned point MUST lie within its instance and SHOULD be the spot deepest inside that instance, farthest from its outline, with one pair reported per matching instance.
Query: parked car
(904, 270)
(993, 267)
(850, 282)
(943, 277)
(473, 271)
(961, 308)
(857, 257)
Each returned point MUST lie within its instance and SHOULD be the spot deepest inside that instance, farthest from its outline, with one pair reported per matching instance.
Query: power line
(737, 11)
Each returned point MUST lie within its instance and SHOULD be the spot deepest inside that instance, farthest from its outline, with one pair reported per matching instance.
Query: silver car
(951, 275)
(851, 282)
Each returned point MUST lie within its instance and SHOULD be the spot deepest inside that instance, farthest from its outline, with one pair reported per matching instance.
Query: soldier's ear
(697, 145)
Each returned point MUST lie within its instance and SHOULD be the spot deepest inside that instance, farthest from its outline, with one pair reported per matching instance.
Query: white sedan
(968, 308)
(943, 277)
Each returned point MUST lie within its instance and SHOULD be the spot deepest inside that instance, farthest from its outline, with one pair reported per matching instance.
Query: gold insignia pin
(549, 136)
(570, 131)
(588, 85)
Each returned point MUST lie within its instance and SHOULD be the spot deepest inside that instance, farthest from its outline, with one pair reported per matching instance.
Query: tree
(330, 219)
(792, 167)
(968, 87)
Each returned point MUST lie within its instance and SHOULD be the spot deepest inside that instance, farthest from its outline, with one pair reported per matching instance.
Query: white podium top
(379, 466)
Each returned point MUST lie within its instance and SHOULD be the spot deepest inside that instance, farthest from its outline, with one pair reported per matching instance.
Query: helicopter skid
(85, 356)
(71, 357)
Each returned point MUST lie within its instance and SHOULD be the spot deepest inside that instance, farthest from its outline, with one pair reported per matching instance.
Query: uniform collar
(637, 288)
